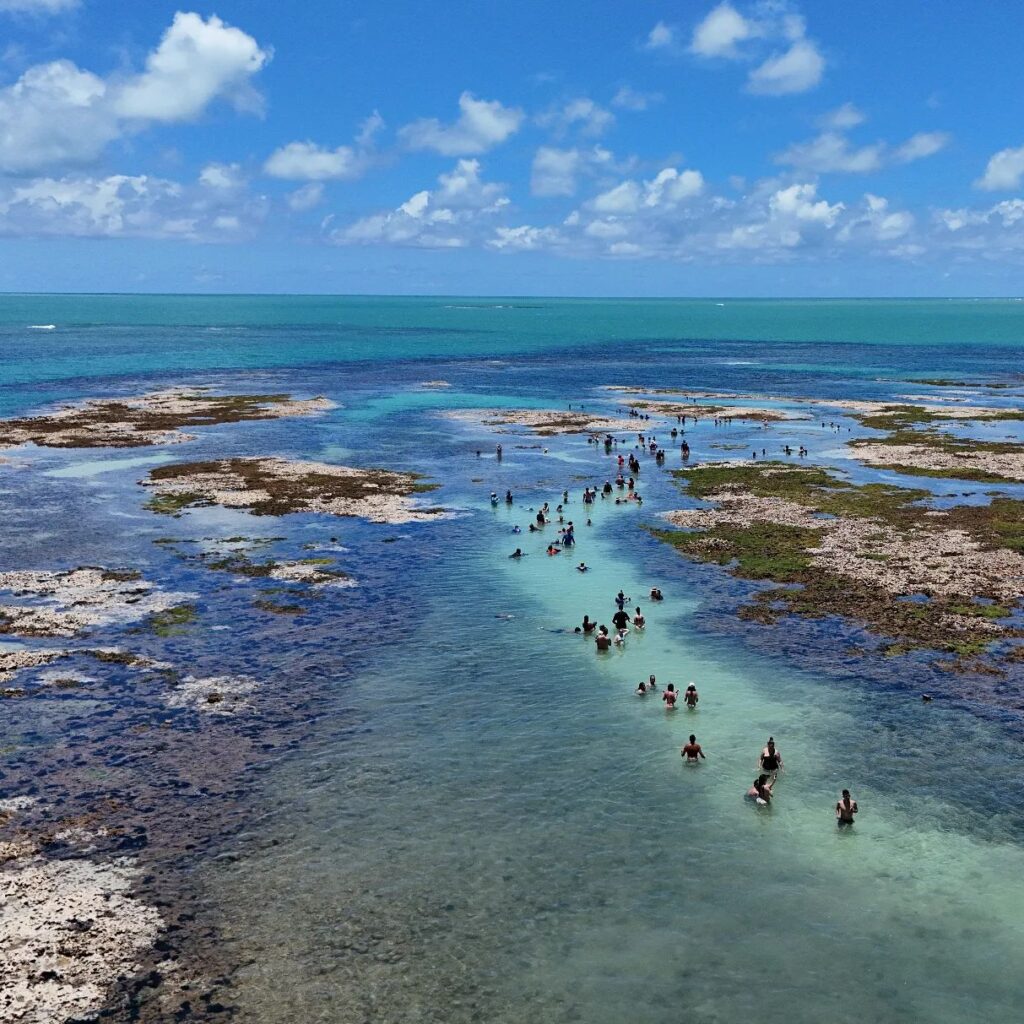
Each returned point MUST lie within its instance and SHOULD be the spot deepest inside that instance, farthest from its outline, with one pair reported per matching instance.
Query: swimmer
(620, 637)
(554, 549)
(589, 523)
(651, 685)
(494, 498)
(518, 553)
(638, 620)
(690, 697)
(620, 619)
(588, 624)
(516, 529)
(669, 697)
(692, 751)
(582, 567)
(656, 594)
(641, 689)
(761, 791)
(603, 642)
(845, 809)
(770, 760)
(620, 600)
(508, 498)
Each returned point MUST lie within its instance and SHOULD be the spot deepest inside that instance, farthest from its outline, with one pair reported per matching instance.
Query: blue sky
(766, 148)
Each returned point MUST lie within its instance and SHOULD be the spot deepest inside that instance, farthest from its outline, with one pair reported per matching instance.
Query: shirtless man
(845, 809)
(692, 751)
(691, 697)
(669, 697)
(603, 641)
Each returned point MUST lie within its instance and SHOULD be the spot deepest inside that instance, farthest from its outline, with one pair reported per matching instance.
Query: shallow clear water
(483, 822)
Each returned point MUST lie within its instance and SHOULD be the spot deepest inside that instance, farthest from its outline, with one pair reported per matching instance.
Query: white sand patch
(1005, 464)
(77, 600)
(68, 930)
(545, 421)
(13, 661)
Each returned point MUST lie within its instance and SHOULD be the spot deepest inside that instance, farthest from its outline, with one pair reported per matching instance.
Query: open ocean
(454, 811)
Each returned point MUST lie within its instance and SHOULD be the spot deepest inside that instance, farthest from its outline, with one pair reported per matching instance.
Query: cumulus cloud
(196, 62)
(661, 37)
(524, 238)
(796, 70)
(875, 221)
(306, 197)
(921, 145)
(455, 214)
(831, 152)
(628, 98)
(222, 176)
(555, 172)
(719, 32)
(583, 114)
(846, 116)
(305, 161)
(667, 189)
(481, 125)
(122, 206)
(58, 114)
(1003, 172)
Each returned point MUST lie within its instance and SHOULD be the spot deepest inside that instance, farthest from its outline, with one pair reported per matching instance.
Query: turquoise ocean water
(481, 822)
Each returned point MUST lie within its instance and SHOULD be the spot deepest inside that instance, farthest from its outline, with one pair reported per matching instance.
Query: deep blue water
(482, 822)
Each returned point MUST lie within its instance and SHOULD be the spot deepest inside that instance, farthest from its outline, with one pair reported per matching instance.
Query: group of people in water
(769, 762)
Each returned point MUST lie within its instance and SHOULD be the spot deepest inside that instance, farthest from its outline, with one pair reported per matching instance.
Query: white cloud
(669, 188)
(482, 124)
(524, 239)
(58, 114)
(798, 69)
(801, 203)
(921, 145)
(831, 152)
(719, 32)
(305, 161)
(37, 6)
(846, 116)
(456, 214)
(54, 114)
(876, 222)
(661, 37)
(628, 98)
(582, 113)
(126, 206)
(1004, 171)
(555, 171)
(222, 176)
(196, 62)
(307, 197)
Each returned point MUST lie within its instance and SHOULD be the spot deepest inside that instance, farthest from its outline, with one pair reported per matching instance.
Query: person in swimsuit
(656, 594)
(651, 685)
(582, 567)
(669, 697)
(638, 620)
(620, 600)
(692, 751)
(620, 637)
(588, 624)
(621, 619)
(845, 809)
(603, 640)
(770, 760)
(641, 689)
(761, 790)
(518, 553)
(691, 697)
